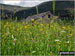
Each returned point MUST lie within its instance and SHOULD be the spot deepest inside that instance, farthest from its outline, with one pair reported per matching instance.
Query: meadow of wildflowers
(21, 38)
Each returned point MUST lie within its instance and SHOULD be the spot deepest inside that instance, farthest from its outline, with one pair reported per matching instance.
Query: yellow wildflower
(25, 39)
(25, 26)
(71, 34)
(40, 19)
(5, 26)
(41, 24)
(19, 29)
(51, 25)
(47, 35)
(30, 32)
(7, 23)
(58, 43)
(48, 24)
(69, 28)
(32, 19)
(5, 33)
(63, 27)
(68, 42)
(41, 30)
(35, 22)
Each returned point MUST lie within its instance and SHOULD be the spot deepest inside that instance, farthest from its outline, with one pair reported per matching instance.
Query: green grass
(20, 38)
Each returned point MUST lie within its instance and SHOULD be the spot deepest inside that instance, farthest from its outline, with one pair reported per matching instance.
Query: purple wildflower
(49, 45)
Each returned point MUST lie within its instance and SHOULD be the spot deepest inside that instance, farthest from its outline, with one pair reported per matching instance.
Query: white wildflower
(68, 42)
(12, 36)
(15, 39)
(63, 31)
(73, 42)
(33, 51)
(14, 43)
(57, 40)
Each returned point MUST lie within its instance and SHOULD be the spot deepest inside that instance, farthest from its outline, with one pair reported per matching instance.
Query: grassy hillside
(61, 7)
(21, 38)
(10, 10)
(13, 7)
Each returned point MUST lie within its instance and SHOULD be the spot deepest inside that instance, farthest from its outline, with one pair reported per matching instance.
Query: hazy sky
(25, 3)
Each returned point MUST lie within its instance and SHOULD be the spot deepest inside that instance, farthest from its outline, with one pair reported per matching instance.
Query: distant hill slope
(61, 7)
(13, 7)
(10, 9)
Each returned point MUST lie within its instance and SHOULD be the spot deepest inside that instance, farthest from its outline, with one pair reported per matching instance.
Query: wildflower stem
(54, 6)
(37, 10)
